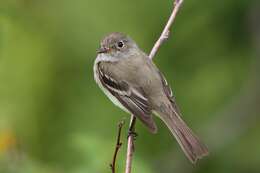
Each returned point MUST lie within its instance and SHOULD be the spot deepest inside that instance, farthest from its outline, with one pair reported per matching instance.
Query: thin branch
(166, 31)
(130, 144)
(118, 146)
(163, 37)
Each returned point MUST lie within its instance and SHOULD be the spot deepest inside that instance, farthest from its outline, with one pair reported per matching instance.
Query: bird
(135, 84)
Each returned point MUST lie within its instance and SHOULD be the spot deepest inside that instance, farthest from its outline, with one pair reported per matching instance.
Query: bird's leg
(131, 130)
(132, 133)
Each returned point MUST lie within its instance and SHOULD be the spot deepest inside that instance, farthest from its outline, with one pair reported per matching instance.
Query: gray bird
(133, 82)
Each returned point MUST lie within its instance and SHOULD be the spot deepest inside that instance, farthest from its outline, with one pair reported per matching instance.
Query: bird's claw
(132, 133)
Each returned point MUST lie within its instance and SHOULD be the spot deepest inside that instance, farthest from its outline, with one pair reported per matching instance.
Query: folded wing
(133, 99)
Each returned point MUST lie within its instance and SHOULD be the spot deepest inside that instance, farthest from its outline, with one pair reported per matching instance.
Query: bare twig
(164, 36)
(166, 31)
(118, 145)
(130, 144)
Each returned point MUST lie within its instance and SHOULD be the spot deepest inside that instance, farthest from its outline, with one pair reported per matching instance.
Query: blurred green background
(54, 119)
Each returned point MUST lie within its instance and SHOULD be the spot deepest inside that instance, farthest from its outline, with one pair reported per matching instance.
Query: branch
(163, 37)
(118, 146)
(166, 31)
(130, 144)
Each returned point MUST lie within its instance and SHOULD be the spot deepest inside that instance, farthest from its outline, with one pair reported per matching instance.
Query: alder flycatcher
(132, 81)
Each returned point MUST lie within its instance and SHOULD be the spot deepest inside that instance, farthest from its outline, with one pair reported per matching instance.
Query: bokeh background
(54, 119)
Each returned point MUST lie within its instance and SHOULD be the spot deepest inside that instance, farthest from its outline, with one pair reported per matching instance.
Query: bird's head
(117, 45)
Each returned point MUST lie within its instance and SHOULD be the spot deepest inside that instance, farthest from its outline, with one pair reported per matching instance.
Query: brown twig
(164, 36)
(166, 31)
(118, 146)
(130, 145)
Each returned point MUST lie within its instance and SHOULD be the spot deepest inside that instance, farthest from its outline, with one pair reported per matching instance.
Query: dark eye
(120, 44)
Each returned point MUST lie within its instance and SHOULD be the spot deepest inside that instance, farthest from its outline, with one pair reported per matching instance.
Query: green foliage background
(54, 119)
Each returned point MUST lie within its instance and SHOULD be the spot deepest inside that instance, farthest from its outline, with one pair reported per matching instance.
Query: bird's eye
(120, 44)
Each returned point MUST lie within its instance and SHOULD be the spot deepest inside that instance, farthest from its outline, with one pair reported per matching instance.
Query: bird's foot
(132, 133)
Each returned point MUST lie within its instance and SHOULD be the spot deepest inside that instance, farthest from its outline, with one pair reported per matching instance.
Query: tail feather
(193, 148)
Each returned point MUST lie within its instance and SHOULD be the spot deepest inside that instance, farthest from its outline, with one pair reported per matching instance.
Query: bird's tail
(193, 148)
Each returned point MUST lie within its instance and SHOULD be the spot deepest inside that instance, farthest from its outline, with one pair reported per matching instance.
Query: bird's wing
(168, 91)
(133, 99)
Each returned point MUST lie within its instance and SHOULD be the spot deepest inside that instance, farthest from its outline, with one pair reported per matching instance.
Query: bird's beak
(102, 50)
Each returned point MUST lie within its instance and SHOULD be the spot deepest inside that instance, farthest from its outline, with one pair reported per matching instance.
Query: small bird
(132, 82)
